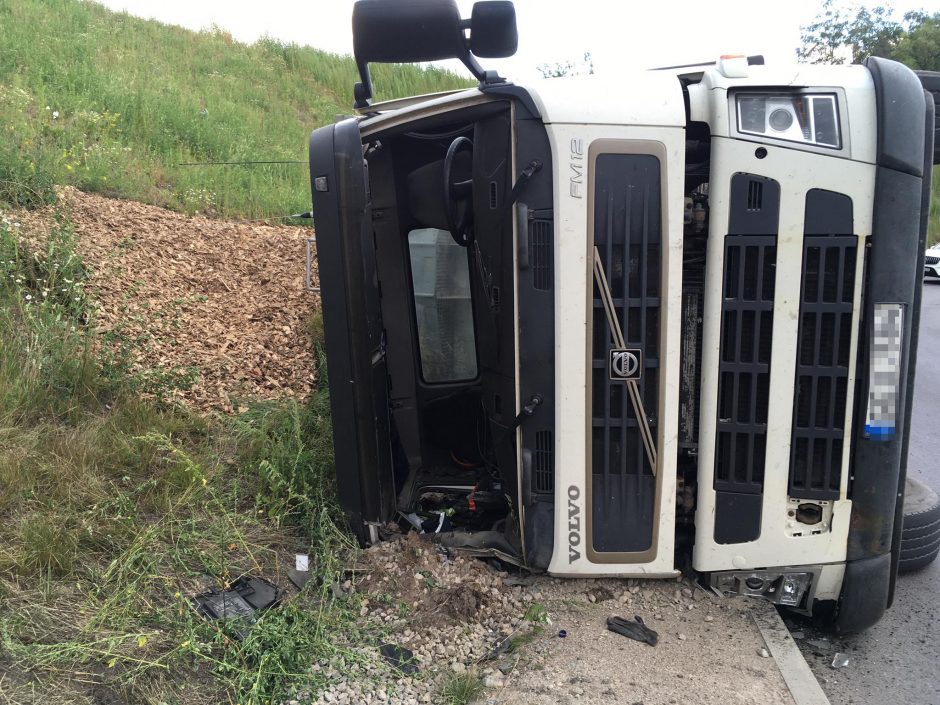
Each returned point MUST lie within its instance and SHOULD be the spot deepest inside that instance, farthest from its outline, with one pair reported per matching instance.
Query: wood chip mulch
(223, 302)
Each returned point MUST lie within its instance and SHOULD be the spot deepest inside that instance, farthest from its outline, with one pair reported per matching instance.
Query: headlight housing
(809, 118)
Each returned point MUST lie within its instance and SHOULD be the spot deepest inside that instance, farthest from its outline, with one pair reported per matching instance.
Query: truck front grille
(627, 234)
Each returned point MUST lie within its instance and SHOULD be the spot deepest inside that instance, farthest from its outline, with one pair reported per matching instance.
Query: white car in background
(932, 263)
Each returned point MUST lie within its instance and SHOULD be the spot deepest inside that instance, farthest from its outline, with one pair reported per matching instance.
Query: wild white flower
(29, 297)
(55, 114)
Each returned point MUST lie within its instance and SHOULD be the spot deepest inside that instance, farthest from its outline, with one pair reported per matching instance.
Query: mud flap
(865, 591)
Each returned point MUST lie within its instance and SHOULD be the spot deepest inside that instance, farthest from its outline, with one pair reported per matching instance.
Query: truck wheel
(920, 536)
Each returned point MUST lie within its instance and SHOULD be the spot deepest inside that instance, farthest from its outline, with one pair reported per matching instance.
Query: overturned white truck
(630, 330)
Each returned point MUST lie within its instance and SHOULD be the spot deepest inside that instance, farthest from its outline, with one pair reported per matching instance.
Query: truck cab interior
(427, 209)
(442, 232)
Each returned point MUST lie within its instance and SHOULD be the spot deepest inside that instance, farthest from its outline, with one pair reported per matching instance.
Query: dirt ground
(708, 650)
(214, 312)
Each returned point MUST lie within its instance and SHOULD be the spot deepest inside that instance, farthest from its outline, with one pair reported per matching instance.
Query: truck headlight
(810, 118)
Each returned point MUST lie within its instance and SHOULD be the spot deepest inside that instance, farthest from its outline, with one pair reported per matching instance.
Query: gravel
(461, 612)
(455, 614)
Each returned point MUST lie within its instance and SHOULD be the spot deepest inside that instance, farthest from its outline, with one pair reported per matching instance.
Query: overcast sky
(618, 33)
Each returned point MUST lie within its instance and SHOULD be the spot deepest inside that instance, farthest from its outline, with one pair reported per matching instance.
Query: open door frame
(353, 328)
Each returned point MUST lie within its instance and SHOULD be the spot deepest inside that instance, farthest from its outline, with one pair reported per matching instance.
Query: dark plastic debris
(298, 577)
(399, 657)
(244, 597)
(562, 634)
(502, 647)
(634, 630)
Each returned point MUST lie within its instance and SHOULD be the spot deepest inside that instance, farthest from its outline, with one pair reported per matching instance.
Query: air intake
(543, 463)
(824, 343)
(541, 257)
(755, 195)
(747, 314)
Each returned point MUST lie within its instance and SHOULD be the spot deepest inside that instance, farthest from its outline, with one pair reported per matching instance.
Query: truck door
(355, 339)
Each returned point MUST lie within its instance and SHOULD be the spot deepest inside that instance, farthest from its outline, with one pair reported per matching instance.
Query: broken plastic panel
(244, 597)
(400, 658)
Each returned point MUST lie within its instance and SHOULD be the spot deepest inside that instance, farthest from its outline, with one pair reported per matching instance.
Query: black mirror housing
(493, 33)
(395, 31)
(408, 31)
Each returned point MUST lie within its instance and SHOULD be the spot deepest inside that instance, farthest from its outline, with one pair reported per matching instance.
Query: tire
(920, 535)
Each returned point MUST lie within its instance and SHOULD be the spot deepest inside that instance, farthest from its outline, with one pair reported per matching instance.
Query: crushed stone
(456, 613)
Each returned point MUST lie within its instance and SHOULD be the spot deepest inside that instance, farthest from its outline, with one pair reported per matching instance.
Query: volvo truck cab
(636, 330)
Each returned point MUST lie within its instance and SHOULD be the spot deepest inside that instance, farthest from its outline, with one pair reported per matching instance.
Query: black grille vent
(541, 256)
(755, 195)
(627, 234)
(822, 366)
(747, 315)
(929, 259)
(494, 198)
(543, 463)
(744, 367)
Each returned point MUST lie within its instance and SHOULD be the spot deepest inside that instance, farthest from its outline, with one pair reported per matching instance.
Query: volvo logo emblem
(625, 364)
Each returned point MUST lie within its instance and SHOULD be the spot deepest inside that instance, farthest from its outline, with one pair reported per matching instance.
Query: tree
(557, 70)
(568, 68)
(841, 30)
(866, 32)
(920, 47)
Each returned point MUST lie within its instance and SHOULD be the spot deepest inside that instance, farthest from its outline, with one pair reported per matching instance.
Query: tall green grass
(112, 103)
(116, 509)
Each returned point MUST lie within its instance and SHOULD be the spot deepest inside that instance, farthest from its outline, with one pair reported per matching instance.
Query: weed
(47, 546)
(537, 613)
(519, 640)
(46, 367)
(462, 688)
(429, 582)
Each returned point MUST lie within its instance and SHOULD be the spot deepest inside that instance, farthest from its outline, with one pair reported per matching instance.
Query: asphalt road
(898, 660)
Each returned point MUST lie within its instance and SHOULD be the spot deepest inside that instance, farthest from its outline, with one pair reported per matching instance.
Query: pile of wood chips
(223, 301)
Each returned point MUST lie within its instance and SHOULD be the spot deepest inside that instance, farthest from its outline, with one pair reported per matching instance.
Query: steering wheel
(458, 205)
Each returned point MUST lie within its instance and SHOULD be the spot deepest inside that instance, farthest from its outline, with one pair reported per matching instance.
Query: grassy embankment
(116, 508)
(111, 103)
